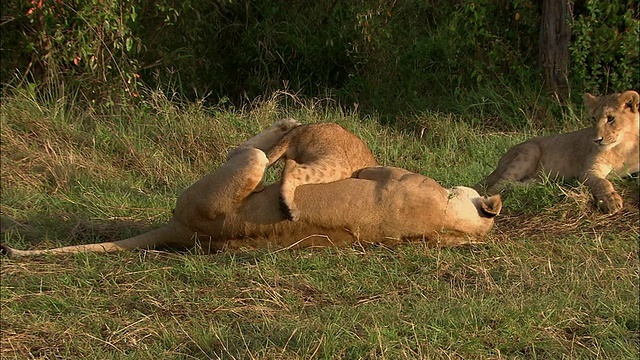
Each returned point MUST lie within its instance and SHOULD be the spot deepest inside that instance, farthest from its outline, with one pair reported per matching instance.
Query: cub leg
(382, 173)
(607, 198)
(268, 137)
(518, 165)
(296, 174)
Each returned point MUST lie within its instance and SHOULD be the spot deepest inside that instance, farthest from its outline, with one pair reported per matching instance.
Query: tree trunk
(553, 55)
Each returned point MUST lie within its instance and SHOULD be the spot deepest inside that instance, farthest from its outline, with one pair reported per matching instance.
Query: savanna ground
(555, 278)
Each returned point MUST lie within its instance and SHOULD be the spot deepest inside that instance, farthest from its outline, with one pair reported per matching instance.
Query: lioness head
(614, 115)
(485, 207)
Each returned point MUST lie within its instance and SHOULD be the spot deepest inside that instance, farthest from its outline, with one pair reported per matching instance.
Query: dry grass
(574, 214)
(556, 279)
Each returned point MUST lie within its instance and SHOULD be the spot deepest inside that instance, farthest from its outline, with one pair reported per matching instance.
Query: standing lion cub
(315, 154)
(609, 147)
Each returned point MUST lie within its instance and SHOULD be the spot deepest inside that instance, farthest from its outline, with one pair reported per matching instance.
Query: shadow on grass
(47, 230)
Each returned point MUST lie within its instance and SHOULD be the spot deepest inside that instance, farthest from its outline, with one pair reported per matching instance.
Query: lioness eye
(611, 118)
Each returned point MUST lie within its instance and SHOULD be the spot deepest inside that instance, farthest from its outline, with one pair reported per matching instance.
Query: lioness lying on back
(382, 205)
(609, 147)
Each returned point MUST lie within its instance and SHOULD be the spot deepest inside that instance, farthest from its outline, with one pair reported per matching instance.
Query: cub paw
(290, 212)
(259, 187)
(610, 204)
(286, 124)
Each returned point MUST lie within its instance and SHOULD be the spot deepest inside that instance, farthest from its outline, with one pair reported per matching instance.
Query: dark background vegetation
(383, 56)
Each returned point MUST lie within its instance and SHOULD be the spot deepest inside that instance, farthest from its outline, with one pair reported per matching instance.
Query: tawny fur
(382, 205)
(609, 147)
(317, 154)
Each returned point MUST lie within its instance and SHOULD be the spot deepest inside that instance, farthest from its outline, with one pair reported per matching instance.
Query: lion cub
(609, 147)
(314, 154)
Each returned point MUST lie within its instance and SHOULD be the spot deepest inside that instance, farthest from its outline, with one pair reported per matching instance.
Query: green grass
(555, 279)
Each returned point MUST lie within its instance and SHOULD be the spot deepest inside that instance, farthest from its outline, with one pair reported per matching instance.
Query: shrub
(88, 42)
(604, 48)
(385, 56)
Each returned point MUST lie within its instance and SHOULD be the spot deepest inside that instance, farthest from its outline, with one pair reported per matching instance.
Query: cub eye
(611, 118)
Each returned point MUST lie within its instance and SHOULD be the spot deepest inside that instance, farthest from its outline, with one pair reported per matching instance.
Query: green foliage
(531, 199)
(89, 43)
(441, 55)
(388, 57)
(604, 47)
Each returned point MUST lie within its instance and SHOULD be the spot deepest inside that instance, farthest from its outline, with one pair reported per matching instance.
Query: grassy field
(555, 279)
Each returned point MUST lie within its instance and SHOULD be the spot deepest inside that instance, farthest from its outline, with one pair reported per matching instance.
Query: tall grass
(555, 279)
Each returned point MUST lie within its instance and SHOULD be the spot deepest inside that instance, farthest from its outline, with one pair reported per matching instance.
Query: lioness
(382, 205)
(609, 147)
(314, 154)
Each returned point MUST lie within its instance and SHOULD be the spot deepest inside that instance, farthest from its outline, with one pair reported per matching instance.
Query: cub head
(614, 116)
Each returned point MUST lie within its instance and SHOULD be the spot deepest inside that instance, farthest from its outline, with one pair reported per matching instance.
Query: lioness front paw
(610, 204)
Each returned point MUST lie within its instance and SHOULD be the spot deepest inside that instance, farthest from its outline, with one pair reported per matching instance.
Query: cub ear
(629, 99)
(591, 103)
(491, 206)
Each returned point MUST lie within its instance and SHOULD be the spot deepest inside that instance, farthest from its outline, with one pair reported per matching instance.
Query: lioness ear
(491, 206)
(630, 99)
(591, 103)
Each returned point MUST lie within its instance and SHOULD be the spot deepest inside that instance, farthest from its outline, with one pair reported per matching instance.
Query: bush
(88, 42)
(604, 47)
(386, 56)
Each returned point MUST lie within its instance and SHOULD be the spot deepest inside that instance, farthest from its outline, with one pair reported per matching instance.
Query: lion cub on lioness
(609, 147)
(315, 154)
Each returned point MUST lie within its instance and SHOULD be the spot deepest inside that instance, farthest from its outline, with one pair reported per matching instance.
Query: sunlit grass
(555, 279)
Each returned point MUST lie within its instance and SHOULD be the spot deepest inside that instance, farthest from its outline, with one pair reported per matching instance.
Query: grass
(555, 279)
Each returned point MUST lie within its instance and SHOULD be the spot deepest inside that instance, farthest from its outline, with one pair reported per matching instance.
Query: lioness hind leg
(268, 137)
(296, 174)
(248, 168)
(265, 140)
(223, 189)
